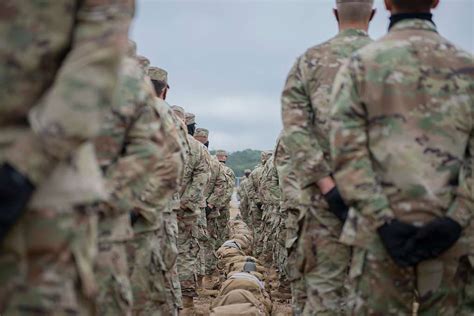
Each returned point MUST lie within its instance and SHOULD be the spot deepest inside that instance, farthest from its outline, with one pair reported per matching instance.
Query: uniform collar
(352, 32)
(414, 24)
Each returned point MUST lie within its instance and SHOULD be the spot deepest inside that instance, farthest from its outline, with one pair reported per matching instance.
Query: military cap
(232, 244)
(190, 118)
(250, 267)
(221, 152)
(178, 109)
(247, 171)
(144, 62)
(201, 132)
(131, 48)
(158, 74)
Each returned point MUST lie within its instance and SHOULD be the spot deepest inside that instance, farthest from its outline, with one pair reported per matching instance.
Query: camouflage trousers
(204, 242)
(268, 236)
(326, 264)
(467, 275)
(115, 292)
(380, 287)
(146, 274)
(295, 260)
(46, 263)
(188, 247)
(223, 230)
(211, 256)
(169, 248)
(257, 228)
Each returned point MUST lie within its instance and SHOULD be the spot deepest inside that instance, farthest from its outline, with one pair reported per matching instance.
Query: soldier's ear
(435, 4)
(336, 14)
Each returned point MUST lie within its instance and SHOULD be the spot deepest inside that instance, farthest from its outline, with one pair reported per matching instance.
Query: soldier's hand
(15, 193)
(435, 238)
(337, 206)
(397, 238)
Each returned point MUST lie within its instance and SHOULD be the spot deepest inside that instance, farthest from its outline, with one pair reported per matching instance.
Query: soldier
(306, 108)
(126, 171)
(213, 194)
(196, 178)
(224, 212)
(52, 56)
(293, 210)
(143, 251)
(242, 195)
(409, 92)
(255, 202)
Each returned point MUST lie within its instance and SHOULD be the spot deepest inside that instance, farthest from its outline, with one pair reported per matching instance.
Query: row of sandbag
(243, 288)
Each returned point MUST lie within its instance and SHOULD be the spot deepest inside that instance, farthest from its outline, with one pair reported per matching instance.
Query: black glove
(15, 193)
(336, 204)
(397, 238)
(259, 205)
(435, 238)
(134, 216)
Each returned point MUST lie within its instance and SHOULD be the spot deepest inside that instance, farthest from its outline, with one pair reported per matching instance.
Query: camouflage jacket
(402, 131)
(59, 68)
(291, 197)
(306, 107)
(242, 189)
(269, 188)
(197, 173)
(215, 191)
(254, 180)
(230, 179)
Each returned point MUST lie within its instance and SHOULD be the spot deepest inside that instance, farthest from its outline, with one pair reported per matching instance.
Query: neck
(397, 17)
(353, 26)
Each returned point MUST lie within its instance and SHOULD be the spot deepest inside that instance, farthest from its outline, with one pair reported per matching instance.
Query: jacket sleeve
(216, 197)
(462, 208)
(298, 120)
(353, 169)
(71, 111)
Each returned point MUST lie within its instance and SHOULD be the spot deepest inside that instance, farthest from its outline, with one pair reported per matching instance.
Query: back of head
(179, 112)
(409, 6)
(354, 11)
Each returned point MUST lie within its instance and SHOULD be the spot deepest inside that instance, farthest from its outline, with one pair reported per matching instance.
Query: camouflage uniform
(306, 109)
(146, 258)
(53, 54)
(242, 195)
(426, 87)
(215, 202)
(255, 202)
(224, 211)
(119, 148)
(293, 209)
(196, 178)
(270, 194)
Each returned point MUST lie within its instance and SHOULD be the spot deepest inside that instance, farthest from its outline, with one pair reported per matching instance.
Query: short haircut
(159, 86)
(354, 12)
(413, 5)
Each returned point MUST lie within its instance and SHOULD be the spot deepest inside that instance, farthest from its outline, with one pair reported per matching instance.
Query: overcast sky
(228, 59)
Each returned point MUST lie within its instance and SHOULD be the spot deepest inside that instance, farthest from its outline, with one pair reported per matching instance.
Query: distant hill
(241, 160)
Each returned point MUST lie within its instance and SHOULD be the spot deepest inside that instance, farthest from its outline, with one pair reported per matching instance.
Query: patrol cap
(250, 266)
(221, 152)
(158, 74)
(178, 111)
(144, 62)
(201, 132)
(232, 244)
(190, 118)
(247, 171)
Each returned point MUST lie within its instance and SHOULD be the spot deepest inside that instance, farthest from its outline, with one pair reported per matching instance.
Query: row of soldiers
(373, 171)
(110, 202)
